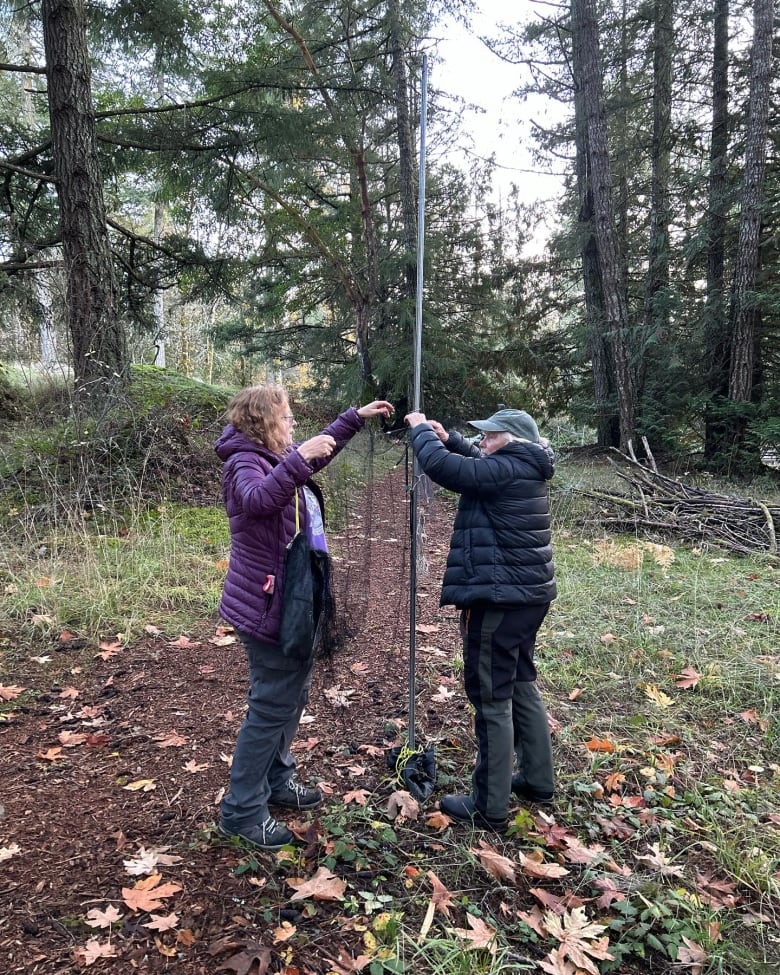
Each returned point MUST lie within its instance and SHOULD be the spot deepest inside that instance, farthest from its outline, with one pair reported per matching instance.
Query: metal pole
(416, 402)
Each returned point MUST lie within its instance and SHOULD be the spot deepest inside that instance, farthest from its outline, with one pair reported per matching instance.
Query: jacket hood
(231, 441)
(540, 456)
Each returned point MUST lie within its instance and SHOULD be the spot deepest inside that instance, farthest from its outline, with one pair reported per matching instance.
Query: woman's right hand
(317, 447)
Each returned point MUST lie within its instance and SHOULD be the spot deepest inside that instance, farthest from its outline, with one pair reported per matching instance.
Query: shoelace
(269, 825)
(299, 790)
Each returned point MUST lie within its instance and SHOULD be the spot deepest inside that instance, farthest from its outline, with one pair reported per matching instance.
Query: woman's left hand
(380, 407)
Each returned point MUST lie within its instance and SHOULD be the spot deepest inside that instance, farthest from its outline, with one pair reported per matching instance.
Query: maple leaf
(657, 696)
(242, 961)
(70, 739)
(402, 805)
(442, 898)
(162, 922)
(578, 852)
(338, 696)
(171, 739)
(577, 936)
(373, 750)
(142, 785)
(609, 892)
(688, 677)
(716, 891)
(536, 868)
(183, 641)
(498, 866)
(148, 894)
(89, 953)
(103, 919)
(478, 934)
(323, 886)
(284, 932)
(193, 766)
(50, 755)
(10, 692)
(534, 920)
(658, 861)
(358, 796)
(69, 693)
(151, 630)
(6, 852)
(427, 627)
(595, 744)
(346, 965)
(443, 694)
(147, 860)
(692, 954)
(438, 820)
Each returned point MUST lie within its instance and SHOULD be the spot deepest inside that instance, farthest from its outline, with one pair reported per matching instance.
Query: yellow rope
(403, 757)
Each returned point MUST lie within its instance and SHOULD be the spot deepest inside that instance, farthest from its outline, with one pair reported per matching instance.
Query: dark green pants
(510, 718)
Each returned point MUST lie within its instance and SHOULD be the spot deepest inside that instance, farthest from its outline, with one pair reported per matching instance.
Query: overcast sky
(473, 72)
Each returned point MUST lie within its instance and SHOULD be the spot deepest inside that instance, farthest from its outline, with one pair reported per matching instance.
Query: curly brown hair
(260, 413)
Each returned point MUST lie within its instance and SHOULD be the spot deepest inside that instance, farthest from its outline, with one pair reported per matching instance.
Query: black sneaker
(293, 795)
(463, 809)
(268, 835)
(522, 791)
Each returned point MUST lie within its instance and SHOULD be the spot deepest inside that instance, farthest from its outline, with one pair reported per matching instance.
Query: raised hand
(317, 447)
(379, 407)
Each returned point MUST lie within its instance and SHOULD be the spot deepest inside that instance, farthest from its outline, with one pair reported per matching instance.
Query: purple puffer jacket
(259, 490)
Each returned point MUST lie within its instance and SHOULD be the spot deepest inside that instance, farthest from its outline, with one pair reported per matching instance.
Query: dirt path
(118, 762)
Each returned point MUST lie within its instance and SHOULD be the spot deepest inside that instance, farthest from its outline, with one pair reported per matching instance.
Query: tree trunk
(715, 338)
(99, 349)
(656, 303)
(742, 310)
(588, 81)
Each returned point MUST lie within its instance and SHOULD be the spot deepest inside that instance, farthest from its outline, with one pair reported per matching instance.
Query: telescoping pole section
(416, 402)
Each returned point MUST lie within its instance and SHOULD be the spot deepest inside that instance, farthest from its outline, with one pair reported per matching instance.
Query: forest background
(229, 194)
(232, 192)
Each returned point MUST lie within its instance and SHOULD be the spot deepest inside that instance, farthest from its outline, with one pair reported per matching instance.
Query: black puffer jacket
(500, 549)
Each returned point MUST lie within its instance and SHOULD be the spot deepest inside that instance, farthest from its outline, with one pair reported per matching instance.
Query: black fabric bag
(297, 629)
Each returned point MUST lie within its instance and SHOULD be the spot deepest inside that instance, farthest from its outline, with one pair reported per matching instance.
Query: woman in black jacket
(500, 575)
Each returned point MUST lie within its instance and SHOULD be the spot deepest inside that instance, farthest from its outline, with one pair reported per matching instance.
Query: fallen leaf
(658, 861)
(170, 739)
(442, 898)
(103, 919)
(693, 955)
(402, 805)
(323, 886)
(438, 820)
(162, 922)
(536, 868)
(497, 865)
(600, 745)
(148, 894)
(688, 677)
(478, 934)
(141, 785)
(284, 932)
(6, 852)
(70, 739)
(358, 796)
(10, 692)
(92, 950)
(657, 696)
(578, 938)
(242, 961)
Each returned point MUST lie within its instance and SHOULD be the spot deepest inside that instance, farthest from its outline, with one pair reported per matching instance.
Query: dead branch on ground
(661, 505)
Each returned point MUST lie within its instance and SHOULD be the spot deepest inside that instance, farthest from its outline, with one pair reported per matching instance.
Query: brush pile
(659, 505)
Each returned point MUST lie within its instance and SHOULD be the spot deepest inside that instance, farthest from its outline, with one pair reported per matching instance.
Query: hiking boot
(463, 809)
(268, 835)
(522, 791)
(293, 795)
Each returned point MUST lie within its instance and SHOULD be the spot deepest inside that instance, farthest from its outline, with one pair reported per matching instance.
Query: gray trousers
(510, 719)
(262, 762)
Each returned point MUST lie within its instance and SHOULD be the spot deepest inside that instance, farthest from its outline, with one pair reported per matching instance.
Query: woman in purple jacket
(268, 492)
